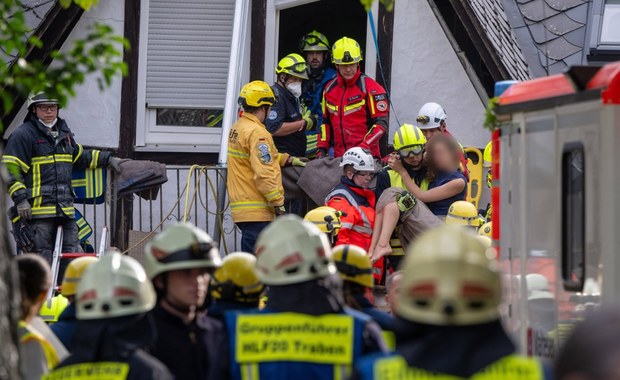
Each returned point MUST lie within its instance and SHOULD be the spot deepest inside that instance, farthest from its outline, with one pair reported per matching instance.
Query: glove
(311, 121)
(116, 162)
(279, 210)
(24, 235)
(321, 153)
(372, 137)
(24, 210)
(298, 161)
(405, 201)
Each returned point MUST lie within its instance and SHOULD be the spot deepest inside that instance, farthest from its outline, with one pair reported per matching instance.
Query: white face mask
(50, 125)
(294, 88)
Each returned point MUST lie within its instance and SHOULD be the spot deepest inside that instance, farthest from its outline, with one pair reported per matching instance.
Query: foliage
(388, 4)
(96, 53)
(490, 118)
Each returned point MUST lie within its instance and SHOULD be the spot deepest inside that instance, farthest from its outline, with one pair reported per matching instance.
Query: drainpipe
(235, 68)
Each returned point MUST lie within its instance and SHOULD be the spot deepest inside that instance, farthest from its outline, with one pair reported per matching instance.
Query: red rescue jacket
(355, 114)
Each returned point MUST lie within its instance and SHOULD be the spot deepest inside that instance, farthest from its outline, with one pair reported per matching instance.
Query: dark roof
(550, 33)
(34, 12)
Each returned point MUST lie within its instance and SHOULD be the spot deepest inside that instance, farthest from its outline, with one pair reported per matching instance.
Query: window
(573, 216)
(605, 31)
(610, 29)
(183, 71)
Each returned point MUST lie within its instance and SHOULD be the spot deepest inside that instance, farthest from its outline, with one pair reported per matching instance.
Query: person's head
(179, 260)
(291, 251)
(73, 275)
(443, 155)
(409, 142)
(448, 279)
(44, 107)
(315, 47)
(236, 280)
(432, 120)
(392, 284)
(34, 283)
(463, 213)
(292, 70)
(327, 219)
(358, 166)
(592, 351)
(346, 55)
(355, 270)
(257, 98)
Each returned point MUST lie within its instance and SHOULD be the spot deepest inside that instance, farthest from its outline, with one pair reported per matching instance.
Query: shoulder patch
(265, 155)
(272, 115)
(382, 106)
(380, 97)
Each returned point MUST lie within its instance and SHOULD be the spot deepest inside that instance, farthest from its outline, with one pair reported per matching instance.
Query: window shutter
(188, 53)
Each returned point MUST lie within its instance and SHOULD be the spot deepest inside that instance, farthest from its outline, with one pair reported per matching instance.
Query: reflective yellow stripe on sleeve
(79, 153)
(16, 161)
(14, 187)
(94, 159)
(272, 195)
(237, 153)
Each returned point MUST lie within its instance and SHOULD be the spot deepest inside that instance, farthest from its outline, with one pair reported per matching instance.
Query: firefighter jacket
(358, 207)
(254, 176)
(40, 167)
(312, 99)
(355, 114)
(286, 109)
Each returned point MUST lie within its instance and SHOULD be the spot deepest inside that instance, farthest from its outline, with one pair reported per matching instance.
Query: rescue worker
(179, 261)
(432, 120)
(114, 328)
(235, 286)
(327, 219)
(287, 122)
(463, 213)
(355, 107)
(305, 332)
(67, 321)
(316, 49)
(487, 160)
(354, 199)
(449, 297)
(254, 181)
(40, 156)
(355, 270)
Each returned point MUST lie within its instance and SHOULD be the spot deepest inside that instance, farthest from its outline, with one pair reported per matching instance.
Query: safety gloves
(297, 161)
(279, 210)
(311, 120)
(24, 210)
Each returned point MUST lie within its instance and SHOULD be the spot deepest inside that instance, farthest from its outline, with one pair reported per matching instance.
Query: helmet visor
(298, 68)
(412, 150)
(312, 42)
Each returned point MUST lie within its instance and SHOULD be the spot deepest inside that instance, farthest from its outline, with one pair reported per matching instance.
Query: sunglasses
(413, 150)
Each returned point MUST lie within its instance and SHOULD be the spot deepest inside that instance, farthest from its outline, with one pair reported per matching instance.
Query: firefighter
(235, 286)
(254, 177)
(432, 120)
(463, 213)
(355, 270)
(355, 107)
(113, 330)
(316, 49)
(287, 122)
(354, 199)
(487, 160)
(40, 156)
(179, 261)
(67, 321)
(327, 219)
(449, 297)
(305, 332)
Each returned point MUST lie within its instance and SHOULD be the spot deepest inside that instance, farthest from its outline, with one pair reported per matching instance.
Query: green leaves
(84, 4)
(490, 118)
(388, 4)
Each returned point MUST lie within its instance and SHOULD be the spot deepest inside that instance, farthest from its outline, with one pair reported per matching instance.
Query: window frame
(600, 52)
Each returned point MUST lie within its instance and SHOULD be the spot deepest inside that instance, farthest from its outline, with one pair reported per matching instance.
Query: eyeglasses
(413, 150)
(48, 107)
(370, 175)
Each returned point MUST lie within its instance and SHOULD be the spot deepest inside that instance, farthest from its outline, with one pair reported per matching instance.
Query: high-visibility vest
(90, 371)
(395, 367)
(296, 346)
(30, 335)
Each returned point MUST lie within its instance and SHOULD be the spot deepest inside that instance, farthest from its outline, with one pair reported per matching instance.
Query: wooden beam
(385, 40)
(257, 36)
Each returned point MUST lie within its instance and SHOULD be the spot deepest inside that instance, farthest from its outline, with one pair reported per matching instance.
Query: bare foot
(380, 251)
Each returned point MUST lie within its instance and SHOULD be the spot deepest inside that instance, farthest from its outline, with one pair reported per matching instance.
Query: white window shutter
(188, 53)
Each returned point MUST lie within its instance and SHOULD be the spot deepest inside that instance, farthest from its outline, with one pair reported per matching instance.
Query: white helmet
(430, 116)
(291, 250)
(537, 287)
(115, 286)
(361, 159)
(180, 246)
(448, 279)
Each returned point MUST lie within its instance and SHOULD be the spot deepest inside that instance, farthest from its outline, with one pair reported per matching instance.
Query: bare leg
(390, 219)
(376, 231)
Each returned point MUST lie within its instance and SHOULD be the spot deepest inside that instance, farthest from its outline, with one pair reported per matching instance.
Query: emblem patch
(265, 155)
(382, 106)
(272, 115)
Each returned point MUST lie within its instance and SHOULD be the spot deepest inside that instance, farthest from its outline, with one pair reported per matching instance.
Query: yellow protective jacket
(254, 177)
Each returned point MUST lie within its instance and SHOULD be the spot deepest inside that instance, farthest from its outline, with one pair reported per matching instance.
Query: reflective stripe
(16, 186)
(367, 227)
(91, 371)
(16, 161)
(51, 356)
(51, 159)
(372, 104)
(249, 371)
(397, 246)
(356, 228)
(94, 159)
(341, 372)
(331, 108)
(272, 195)
(250, 205)
(323, 132)
(237, 153)
(44, 210)
(79, 153)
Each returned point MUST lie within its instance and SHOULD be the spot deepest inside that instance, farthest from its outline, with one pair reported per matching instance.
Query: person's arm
(263, 156)
(348, 218)
(325, 131)
(17, 158)
(89, 158)
(378, 108)
(290, 127)
(444, 191)
(383, 182)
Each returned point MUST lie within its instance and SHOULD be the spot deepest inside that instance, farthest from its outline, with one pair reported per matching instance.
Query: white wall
(425, 68)
(93, 116)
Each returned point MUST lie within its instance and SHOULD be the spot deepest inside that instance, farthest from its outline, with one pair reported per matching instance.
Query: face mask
(294, 88)
(50, 125)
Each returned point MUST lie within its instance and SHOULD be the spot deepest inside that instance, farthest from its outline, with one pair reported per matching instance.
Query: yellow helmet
(488, 155)
(293, 64)
(353, 264)
(463, 213)
(73, 274)
(326, 218)
(314, 41)
(346, 51)
(448, 279)
(407, 136)
(256, 94)
(236, 279)
(51, 309)
(486, 230)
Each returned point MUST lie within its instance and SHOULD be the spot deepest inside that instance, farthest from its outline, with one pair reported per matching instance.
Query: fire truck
(556, 213)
